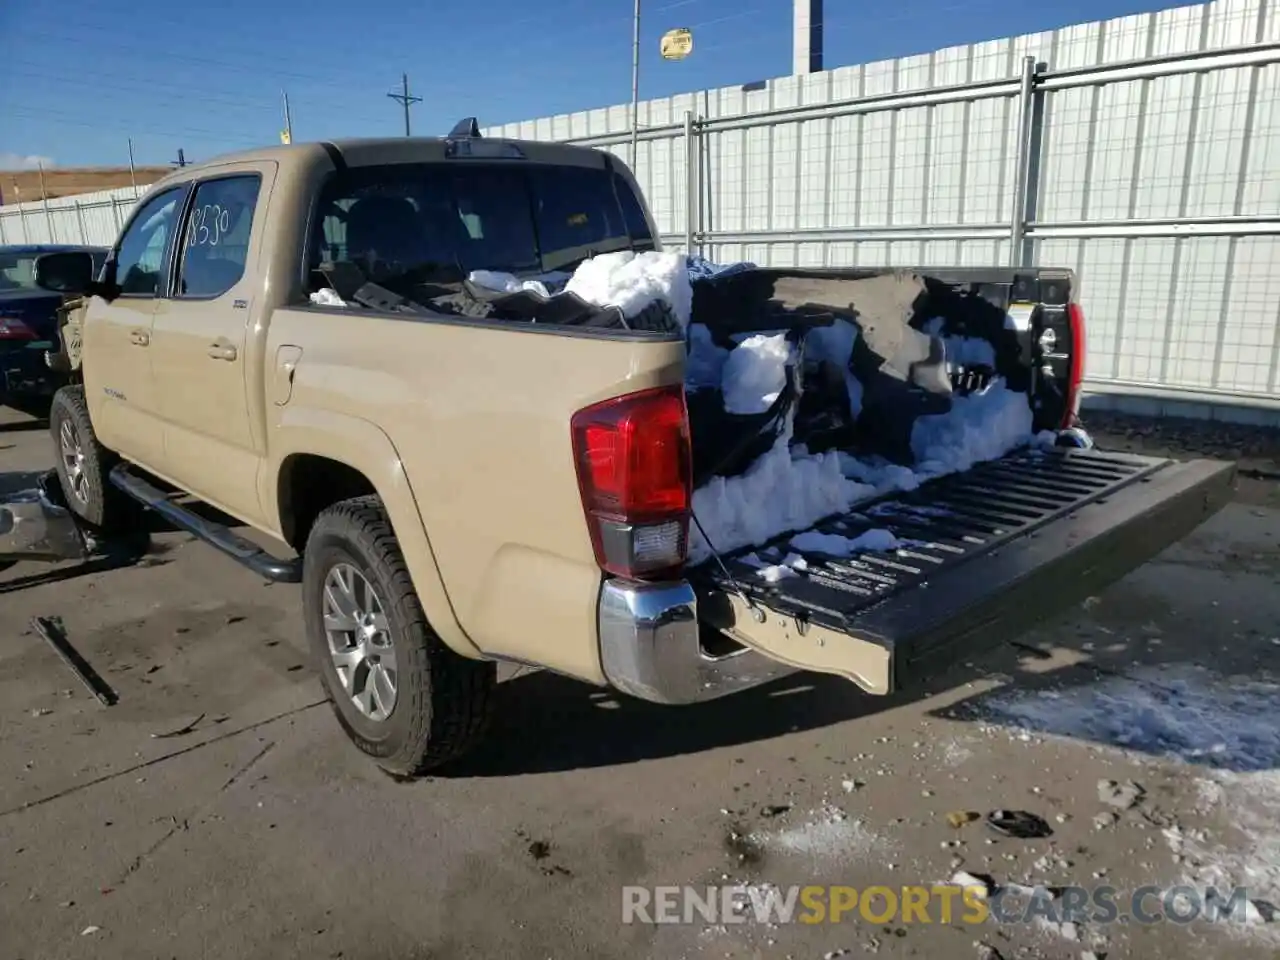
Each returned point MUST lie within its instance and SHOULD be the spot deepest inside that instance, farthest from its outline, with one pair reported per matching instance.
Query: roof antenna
(469, 127)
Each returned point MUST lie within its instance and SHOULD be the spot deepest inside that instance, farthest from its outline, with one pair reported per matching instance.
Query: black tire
(443, 700)
(94, 500)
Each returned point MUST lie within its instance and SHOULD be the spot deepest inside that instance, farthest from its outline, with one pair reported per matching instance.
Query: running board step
(216, 535)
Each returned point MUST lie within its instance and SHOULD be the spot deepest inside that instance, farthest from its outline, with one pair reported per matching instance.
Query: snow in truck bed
(788, 490)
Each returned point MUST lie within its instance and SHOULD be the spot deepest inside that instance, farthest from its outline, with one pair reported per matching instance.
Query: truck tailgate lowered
(992, 551)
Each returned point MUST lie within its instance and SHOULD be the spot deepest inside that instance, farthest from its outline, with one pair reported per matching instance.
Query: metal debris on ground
(1123, 795)
(52, 630)
(1019, 824)
(180, 731)
(34, 525)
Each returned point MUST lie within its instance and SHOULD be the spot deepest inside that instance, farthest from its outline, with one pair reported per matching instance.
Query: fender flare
(365, 447)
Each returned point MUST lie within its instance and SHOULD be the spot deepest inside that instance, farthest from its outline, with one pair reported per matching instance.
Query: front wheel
(83, 464)
(401, 694)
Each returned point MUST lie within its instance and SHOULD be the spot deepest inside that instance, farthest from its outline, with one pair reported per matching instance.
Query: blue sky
(78, 78)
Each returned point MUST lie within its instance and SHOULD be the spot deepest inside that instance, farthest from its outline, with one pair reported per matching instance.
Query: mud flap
(981, 599)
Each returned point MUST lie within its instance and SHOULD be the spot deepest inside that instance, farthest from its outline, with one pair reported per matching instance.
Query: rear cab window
(436, 222)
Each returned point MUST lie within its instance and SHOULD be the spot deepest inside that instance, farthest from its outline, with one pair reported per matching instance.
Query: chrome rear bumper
(650, 649)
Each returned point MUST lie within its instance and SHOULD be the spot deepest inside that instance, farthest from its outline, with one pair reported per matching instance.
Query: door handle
(139, 338)
(222, 351)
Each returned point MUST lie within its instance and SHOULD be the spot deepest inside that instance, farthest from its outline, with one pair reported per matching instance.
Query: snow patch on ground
(1183, 714)
(1224, 725)
(755, 374)
(631, 281)
(955, 753)
(828, 834)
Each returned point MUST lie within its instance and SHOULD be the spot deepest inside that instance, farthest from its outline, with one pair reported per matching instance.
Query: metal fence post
(1018, 220)
(84, 235)
(48, 221)
(690, 182)
(22, 218)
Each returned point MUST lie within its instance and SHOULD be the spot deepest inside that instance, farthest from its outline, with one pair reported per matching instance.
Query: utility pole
(635, 82)
(133, 177)
(406, 100)
(288, 122)
(181, 161)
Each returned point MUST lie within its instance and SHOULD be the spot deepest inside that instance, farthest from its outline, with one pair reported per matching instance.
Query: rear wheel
(401, 694)
(83, 464)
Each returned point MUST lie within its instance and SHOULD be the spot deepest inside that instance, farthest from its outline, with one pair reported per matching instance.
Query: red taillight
(1075, 378)
(11, 328)
(633, 458)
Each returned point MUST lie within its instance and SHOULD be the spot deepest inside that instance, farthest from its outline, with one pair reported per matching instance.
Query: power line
(115, 125)
(184, 94)
(405, 100)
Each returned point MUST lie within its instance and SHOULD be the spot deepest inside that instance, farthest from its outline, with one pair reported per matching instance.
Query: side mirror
(70, 272)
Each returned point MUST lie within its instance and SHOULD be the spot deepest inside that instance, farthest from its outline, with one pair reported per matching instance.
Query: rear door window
(215, 244)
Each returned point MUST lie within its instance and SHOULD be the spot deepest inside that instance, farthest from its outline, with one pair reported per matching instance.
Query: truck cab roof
(373, 151)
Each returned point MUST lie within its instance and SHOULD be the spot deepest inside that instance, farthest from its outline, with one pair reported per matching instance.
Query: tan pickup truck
(454, 487)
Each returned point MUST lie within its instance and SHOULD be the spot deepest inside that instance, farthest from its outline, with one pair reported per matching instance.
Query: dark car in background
(29, 325)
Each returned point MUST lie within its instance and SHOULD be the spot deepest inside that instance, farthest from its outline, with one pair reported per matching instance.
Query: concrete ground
(263, 833)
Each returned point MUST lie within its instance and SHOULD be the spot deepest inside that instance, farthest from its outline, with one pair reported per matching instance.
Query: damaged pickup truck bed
(451, 379)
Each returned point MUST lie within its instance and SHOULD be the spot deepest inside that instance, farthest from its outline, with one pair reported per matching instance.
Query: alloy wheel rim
(360, 643)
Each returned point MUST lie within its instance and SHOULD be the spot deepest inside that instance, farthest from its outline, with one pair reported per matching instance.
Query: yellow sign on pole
(676, 44)
(284, 137)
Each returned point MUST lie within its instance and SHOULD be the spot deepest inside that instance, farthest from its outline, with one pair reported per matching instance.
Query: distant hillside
(23, 186)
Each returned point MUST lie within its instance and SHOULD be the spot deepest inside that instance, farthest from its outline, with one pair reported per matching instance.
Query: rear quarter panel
(476, 419)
